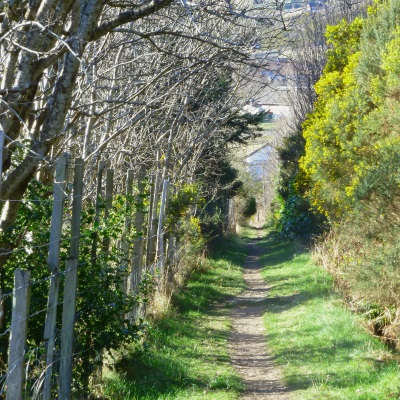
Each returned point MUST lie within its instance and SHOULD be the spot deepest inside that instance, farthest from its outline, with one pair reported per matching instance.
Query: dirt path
(248, 340)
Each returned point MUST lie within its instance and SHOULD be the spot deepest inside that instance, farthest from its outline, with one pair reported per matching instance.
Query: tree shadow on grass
(340, 374)
(165, 369)
(273, 253)
(149, 377)
(278, 251)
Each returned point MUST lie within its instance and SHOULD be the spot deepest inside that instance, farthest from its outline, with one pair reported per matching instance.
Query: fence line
(139, 255)
(19, 327)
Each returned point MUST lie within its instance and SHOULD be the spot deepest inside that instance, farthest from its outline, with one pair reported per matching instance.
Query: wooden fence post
(170, 260)
(170, 250)
(138, 243)
(128, 226)
(108, 205)
(2, 137)
(53, 263)
(93, 254)
(70, 285)
(19, 326)
(160, 234)
(149, 214)
(151, 240)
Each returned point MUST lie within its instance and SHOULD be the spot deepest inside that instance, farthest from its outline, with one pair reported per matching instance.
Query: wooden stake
(70, 286)
(93, 254)
(151, 250)
(160, 235)
(2, 137)
(53, 263)
(137, 256)
(108, 204)
(19, 327)
(128, 225)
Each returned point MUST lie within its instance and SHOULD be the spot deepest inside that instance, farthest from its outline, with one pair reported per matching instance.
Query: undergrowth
(185, 355)
(364, 260)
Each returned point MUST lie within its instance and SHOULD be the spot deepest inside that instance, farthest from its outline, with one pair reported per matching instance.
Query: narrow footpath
(249, 353)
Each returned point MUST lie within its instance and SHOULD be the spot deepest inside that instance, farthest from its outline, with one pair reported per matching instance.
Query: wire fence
(105, 258)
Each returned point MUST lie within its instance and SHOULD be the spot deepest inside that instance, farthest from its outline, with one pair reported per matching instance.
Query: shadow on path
(248, 339)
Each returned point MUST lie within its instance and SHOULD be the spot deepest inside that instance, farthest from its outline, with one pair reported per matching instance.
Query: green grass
(322, 348)
(186, 354)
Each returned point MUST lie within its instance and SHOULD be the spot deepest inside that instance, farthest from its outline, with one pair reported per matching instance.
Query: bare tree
(118, 79)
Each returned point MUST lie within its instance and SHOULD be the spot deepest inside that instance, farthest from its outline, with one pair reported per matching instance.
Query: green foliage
(352, 157)
(222, 184)
(354, 126)
(250, 207)
(296, 218)
(329, 157)
(352, 136)
(293, 214)
(212, 93)
(30, 236)
(101, 304)
(244, 126)
(181, 220)
(185, 199)
(344, 41)
(289, 154)
(101, 323)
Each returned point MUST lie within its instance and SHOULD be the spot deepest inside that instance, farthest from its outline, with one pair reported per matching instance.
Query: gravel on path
(248, 343)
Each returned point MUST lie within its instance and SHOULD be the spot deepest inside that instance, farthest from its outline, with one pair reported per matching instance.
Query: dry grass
(365, 268)
(191, 260)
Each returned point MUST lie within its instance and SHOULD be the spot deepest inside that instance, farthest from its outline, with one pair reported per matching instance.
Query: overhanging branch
(128, 16)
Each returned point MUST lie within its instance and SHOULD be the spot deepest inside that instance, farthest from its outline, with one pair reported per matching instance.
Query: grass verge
(185, 355)
(323, 349)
